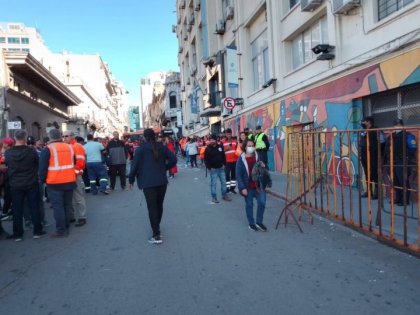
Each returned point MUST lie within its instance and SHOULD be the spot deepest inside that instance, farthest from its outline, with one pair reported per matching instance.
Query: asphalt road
(209, 263)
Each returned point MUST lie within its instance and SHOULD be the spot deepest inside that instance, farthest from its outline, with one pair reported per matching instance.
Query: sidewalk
(347, 208)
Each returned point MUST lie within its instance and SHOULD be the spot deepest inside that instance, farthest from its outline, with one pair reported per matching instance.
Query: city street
(209, 263)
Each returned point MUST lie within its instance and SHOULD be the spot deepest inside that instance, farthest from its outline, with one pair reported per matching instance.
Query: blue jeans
(214, 174)
(249, 205)
(97, 170)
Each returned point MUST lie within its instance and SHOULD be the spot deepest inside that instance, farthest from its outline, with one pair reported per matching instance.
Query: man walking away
(79, 202)
(96, 168)
(215, 160)
(56, 169)
(22, 167)
(117, 158)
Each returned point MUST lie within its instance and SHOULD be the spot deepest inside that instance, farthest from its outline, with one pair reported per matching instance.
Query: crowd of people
(66, 167)
(60, 170)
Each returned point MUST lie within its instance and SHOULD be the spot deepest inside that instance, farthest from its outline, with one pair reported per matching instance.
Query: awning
(25, 65)
(211, 112)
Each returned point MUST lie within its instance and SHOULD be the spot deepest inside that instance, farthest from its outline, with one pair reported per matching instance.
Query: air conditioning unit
(188, 81)
(229, 12)
(204, 121)
(220, 27)
(173, 28)
(197, 5)
(193, 70)
(191, 19)
(182, 4)
(342, 6)
(309, 5)
(189, 28)
(185, 37)
(180, 49)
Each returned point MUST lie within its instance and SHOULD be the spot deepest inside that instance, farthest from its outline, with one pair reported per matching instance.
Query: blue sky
(133, 36)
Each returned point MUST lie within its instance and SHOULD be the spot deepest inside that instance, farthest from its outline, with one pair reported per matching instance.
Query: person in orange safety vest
(79, 202)
(56, 169)
(230, 144)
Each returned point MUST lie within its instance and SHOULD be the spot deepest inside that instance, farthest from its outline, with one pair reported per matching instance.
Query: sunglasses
(66, 136)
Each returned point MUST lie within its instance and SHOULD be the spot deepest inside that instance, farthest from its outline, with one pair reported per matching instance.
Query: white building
(104, 106)
(324, 62)
(149, 86)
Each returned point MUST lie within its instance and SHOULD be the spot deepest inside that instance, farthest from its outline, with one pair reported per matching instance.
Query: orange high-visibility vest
(80, 156)
(202, 150)
(61, 164)
(238, 151)
(230, 147)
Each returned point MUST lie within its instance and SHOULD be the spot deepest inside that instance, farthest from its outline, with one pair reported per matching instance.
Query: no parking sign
(229, 103)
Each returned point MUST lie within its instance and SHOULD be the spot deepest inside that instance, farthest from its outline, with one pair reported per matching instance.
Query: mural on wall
(336, 105)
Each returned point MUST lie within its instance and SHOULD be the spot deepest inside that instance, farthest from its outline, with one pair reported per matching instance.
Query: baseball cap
(8, 141)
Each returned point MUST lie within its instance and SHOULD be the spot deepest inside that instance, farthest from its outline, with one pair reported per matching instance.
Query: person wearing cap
(401, 138)
(370, 151)
(79, 202)
(230, 145)
(56, 169)
(22, 168)
(215, 160)
(152, 159)
(262, 145)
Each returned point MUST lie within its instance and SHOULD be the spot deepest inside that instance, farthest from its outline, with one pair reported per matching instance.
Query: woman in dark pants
(151, 162)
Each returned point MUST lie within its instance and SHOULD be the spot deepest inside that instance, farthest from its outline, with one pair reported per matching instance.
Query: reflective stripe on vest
(61, 164)
(259, 143)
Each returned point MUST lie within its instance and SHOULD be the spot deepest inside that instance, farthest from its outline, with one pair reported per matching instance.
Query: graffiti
(336, 105)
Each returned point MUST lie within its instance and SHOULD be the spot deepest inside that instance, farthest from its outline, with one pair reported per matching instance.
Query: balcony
(213, 99)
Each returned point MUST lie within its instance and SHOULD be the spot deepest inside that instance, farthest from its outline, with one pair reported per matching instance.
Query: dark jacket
(148, 171)
(242, 171)
(117, 152)
(214, 156)
(22, 164)
(44, 161)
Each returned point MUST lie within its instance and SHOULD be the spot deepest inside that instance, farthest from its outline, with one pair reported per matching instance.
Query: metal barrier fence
(366, 178)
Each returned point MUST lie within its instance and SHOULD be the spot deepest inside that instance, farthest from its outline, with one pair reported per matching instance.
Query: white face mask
(250, 150)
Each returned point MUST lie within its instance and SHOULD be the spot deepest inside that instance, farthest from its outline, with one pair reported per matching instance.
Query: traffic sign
(13, 125)
(229, 103)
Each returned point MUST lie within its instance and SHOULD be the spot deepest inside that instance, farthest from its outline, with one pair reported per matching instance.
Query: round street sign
(229, 103)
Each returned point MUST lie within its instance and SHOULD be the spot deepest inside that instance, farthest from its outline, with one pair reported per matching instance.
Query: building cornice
(28, 67)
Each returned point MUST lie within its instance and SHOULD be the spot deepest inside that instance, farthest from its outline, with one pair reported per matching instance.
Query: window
(403, 103)
(13, 49)
(26, 50)
(13, 40)
(292, 3)
(24, 40)
(303, 43)
(2, 40)
(260, 61)
(172, 100)
(387, 7)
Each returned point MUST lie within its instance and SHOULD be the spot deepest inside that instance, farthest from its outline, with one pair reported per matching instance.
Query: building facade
(31, 97)
(291, 62)
(102, 102)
